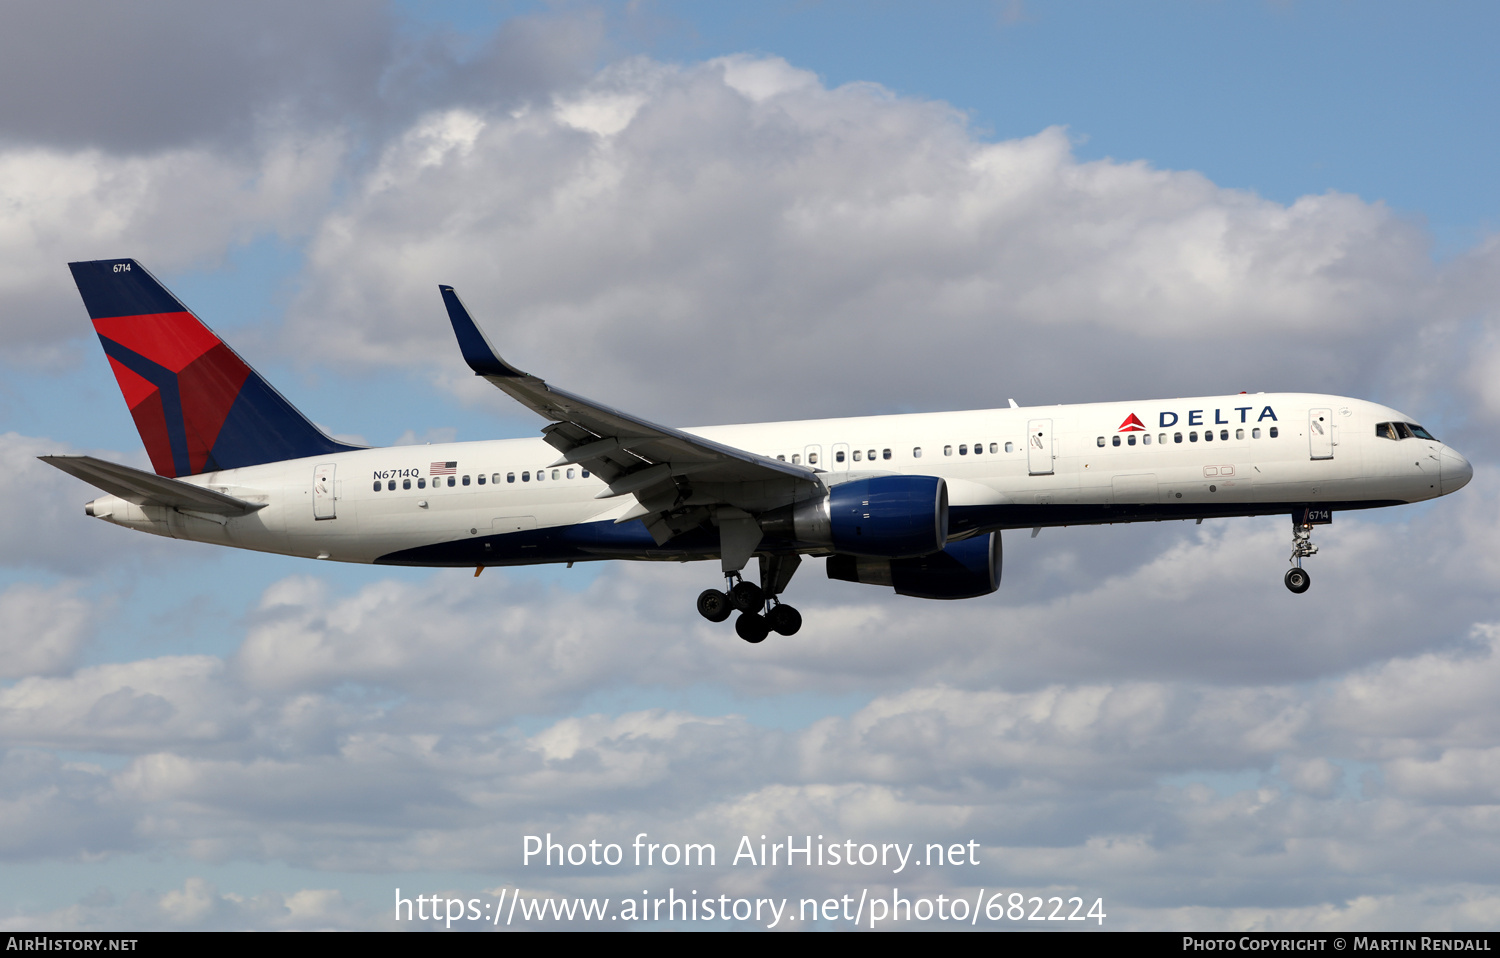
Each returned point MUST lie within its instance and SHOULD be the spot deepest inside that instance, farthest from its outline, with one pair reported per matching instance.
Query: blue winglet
(478, 352)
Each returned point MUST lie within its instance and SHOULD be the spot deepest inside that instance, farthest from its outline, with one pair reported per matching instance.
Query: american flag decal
(443, 469)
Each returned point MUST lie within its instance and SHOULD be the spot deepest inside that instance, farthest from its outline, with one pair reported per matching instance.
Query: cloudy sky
(707, 214)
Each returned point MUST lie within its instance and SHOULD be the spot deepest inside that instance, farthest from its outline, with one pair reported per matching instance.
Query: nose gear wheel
(1297, 579)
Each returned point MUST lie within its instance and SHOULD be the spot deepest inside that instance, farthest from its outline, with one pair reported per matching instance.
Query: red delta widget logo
(1195, 417)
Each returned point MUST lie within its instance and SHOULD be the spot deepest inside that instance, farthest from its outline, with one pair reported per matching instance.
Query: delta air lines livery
(915, 503)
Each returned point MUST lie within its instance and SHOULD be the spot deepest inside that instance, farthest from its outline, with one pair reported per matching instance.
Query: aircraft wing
(659, 464)
(145, 488)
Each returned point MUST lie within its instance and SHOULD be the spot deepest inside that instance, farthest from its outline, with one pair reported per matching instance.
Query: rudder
(198, 406)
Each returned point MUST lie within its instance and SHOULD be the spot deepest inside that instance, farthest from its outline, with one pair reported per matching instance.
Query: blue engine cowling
(888, 516)
(963, 570)
(885, 516)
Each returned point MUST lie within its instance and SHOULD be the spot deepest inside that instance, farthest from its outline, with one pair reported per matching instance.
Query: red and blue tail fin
(199, 407)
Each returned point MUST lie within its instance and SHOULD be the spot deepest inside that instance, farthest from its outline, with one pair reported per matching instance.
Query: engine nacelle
(886, 516)
(963, 570)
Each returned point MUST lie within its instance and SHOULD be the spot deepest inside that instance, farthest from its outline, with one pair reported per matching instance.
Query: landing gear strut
(1297, 578)
(753, 624)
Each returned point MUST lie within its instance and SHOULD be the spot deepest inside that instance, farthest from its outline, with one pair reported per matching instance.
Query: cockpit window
(1402, 430)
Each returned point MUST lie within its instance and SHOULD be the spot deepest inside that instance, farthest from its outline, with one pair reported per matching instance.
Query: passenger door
(323, 492)
(1039, 447)
(1320, 433)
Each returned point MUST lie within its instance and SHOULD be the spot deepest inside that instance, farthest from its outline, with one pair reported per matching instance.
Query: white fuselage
(1005, 468)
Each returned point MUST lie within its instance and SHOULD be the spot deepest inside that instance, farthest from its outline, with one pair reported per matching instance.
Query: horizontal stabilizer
(144, 488)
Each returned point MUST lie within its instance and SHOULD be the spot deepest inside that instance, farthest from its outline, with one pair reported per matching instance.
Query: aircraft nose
(1454, 471)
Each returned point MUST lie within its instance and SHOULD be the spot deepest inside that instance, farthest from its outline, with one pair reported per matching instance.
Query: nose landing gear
(750, 599)
(1297, 579)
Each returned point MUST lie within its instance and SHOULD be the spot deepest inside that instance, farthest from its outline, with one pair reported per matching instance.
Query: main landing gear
(1297, 578)
(756, 621)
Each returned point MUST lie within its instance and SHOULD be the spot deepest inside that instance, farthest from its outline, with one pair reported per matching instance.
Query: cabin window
(1208, 435)
(405, 483)
(812, 459)
(466, 480)
(1101, 442)
(916, 452)
(481, 480)
(1146, 439)
(1239, 434)
(1010, 447)
(1255, 433)
(510, 477)
(391, 485)
(963, 449)
(526, 476)
(994, 447)
(885, 454)
(1224, 435)
(377, 485)
(796, 459)
(450, 481)
(1114, 440)
(1273, 432)
(1177, 437)
(555, 473)
(871, 455)
(584, 474)
(838, 456)
(541, 475)
(1130, 440)
(570, 474)
(857, 455)
(1193, 436)
(421, 483)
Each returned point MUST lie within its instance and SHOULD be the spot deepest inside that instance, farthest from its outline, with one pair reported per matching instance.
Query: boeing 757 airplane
(915, 503)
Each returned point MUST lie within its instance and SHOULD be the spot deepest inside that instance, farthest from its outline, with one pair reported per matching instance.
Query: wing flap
(145, 488)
